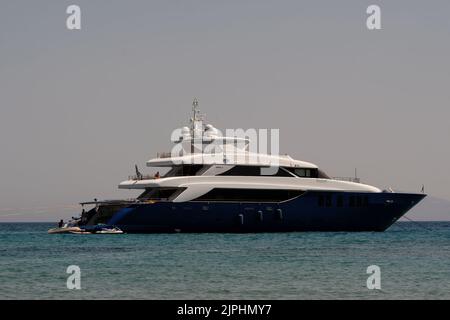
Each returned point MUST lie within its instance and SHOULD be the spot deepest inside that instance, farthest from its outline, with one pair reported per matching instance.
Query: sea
(411, 260)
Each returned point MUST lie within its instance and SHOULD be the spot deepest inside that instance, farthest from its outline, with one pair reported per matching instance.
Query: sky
(79, 108)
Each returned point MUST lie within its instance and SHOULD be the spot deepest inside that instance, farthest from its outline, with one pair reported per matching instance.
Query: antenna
(197, 119)
(196, 124)
(195, 109)
(138, 174)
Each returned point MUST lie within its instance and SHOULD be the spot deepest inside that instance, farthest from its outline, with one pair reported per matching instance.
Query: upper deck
(231, 158)
(204, 157)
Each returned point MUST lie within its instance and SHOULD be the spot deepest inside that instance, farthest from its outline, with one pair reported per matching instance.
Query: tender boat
(109, 231)
(64, 229)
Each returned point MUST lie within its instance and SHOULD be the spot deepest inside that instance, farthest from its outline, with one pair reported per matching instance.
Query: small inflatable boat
(113, 230)
(64, 230)
(98, 229)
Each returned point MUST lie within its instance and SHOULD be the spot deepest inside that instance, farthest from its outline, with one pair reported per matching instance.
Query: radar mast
(196, 121)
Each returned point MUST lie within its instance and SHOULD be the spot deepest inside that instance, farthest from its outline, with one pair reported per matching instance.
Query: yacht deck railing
(142, 177)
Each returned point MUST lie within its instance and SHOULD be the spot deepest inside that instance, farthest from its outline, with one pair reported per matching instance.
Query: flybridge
(201, 143)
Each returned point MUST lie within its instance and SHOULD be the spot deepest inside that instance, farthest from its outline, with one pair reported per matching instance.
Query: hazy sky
(79, 108)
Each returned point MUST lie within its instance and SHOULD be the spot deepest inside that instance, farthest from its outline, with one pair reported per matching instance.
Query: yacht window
(184, 170)
(304, 172)
(249, 195)
(328, 200)
(254, 171)
(325, 199)
(160, 193)
(340, 201)
(144, 195)
(351, 201)
(321, 201)
(366, 201)
(359, 201)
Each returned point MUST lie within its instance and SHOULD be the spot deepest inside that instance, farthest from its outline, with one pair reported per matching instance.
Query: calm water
(414, 261)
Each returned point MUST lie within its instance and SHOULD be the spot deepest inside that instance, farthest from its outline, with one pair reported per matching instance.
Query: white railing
(141, 177)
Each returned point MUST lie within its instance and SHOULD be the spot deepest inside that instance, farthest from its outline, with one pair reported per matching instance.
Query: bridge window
(304, 172)
(184, 170)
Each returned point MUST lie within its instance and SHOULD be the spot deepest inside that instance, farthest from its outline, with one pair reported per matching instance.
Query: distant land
(430, 209)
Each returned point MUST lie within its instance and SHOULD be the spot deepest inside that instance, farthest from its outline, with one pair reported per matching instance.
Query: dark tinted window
(328, 200)
(255, 171)
(321, 201)
(304, 172)
(184, 170)
(249, 195)
(366, 201)
(351, 201)
(159, 193)
(325, 199)
(340, 201)
(359, 201)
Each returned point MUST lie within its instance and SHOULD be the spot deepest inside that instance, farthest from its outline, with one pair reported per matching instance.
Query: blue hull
(312, 211)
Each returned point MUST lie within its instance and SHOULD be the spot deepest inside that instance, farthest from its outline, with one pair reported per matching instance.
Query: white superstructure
(197, 171)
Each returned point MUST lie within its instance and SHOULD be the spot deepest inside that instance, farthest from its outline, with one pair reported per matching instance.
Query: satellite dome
(185, 133)
(210, 131)
(185, 130)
